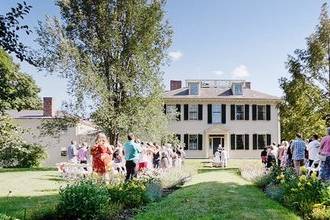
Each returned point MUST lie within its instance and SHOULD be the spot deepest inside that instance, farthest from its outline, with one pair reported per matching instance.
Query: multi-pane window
(216, 113)
(193, 88)
(261, 141)
(261, 112)
(192, 142)
(193, 112)
(171, 111)
(239, 112)
(237, 89)
(239, 142)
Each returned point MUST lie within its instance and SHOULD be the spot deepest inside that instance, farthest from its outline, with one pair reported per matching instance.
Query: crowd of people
(311, 153)
(128, 159)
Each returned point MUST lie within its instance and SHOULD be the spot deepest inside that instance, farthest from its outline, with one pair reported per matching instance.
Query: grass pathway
(217, 195)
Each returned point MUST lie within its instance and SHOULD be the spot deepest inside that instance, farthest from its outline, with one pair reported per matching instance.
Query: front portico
(215, 135)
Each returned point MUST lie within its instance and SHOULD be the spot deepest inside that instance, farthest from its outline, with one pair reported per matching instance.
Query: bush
(85, 199)
(320, 212)
(14, 152)
(275, 192)
(131, 194)
(6, 217)
(21, 155)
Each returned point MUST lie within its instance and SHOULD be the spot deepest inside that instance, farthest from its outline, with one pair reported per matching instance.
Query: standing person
(100, 153)
(72, 152)
(284, 159)
(83, 154)
(263, 156)
(280, 154)
(325, 154)
(224, 157)
(313, 149)
(298, 147)
(132, 152)
(271, 159)
(156, 157)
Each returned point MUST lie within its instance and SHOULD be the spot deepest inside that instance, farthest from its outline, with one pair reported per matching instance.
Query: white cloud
(175, 55)
(240, 71)
(218, 72)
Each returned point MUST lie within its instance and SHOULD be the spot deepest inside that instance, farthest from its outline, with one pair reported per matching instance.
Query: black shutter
(254, 112)
(269, 139)
(165, 109)
(178, 136)
(200, 112)
(247, 112)
(223, 114)
(232, 112)
(268, 112)
(232, 141)
(185, 112)
(247, 142)
(178, 112)
(209, 113)
(185, 137)
(255, 142)
(200, 142)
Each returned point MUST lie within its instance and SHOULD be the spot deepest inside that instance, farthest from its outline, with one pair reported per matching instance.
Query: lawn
(220, 194)
(25, 193)
(217, 195)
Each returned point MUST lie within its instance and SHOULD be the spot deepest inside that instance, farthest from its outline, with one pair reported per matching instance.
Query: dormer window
(237, 89)
(193, 88)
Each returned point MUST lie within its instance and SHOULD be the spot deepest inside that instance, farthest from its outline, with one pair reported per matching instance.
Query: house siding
(243, 127)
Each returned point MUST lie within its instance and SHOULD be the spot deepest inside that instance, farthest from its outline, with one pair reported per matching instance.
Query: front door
(216, 141)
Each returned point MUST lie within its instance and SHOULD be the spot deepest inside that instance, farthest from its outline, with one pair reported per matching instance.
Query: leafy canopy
(111, 53)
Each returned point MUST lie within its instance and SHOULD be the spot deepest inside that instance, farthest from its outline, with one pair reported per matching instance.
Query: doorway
(215, 141)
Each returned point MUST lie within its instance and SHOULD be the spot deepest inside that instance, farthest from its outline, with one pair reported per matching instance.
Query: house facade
(56, 147)
(208, 113)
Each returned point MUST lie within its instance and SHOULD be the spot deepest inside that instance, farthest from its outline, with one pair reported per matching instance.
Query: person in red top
(102, 155)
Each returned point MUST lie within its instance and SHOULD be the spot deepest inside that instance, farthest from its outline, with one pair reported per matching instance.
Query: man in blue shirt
(72, 152)
(132, 153)
(298, 147)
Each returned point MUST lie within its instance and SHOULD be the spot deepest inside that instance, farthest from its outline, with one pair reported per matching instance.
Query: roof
(218, 93)
(38, 114)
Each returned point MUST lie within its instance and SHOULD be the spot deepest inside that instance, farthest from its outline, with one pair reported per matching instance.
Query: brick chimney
(48, 107)
(175, 84)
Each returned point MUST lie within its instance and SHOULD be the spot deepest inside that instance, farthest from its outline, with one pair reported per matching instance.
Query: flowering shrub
(307, 196)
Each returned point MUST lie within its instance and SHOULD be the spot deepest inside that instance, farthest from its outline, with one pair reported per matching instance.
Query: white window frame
(171, 111)
(216, 112)
(241, 115)
(237, 89)
(193, 112)
(192, 145)
(264, 112)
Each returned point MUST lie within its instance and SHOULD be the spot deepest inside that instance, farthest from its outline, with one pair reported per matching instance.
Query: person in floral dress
(102, 155)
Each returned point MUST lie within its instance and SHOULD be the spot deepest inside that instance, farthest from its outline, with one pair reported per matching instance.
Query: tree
(111, 53)
(9, 28)
(17, 90)
(316, 58)
(302, 108)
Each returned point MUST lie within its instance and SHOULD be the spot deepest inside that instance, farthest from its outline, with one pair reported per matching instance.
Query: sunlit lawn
(217, 195)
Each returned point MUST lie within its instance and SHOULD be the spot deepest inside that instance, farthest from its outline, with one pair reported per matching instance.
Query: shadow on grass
(28, 207)
(216, 200)
(5, 170)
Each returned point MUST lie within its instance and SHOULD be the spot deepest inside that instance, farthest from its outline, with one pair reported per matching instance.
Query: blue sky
(213, 39)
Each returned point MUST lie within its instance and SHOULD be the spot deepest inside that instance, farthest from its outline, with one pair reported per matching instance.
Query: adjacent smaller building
(209, 113)
(55, 147)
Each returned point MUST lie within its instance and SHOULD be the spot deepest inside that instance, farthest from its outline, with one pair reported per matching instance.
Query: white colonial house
(56, 147)
(207, 113)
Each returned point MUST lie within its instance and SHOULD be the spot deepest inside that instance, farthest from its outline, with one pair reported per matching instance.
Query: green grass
(217, 195)
(4, 170)
(28, 207)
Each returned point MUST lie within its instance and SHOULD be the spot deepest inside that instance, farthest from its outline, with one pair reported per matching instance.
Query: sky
(213, 39)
